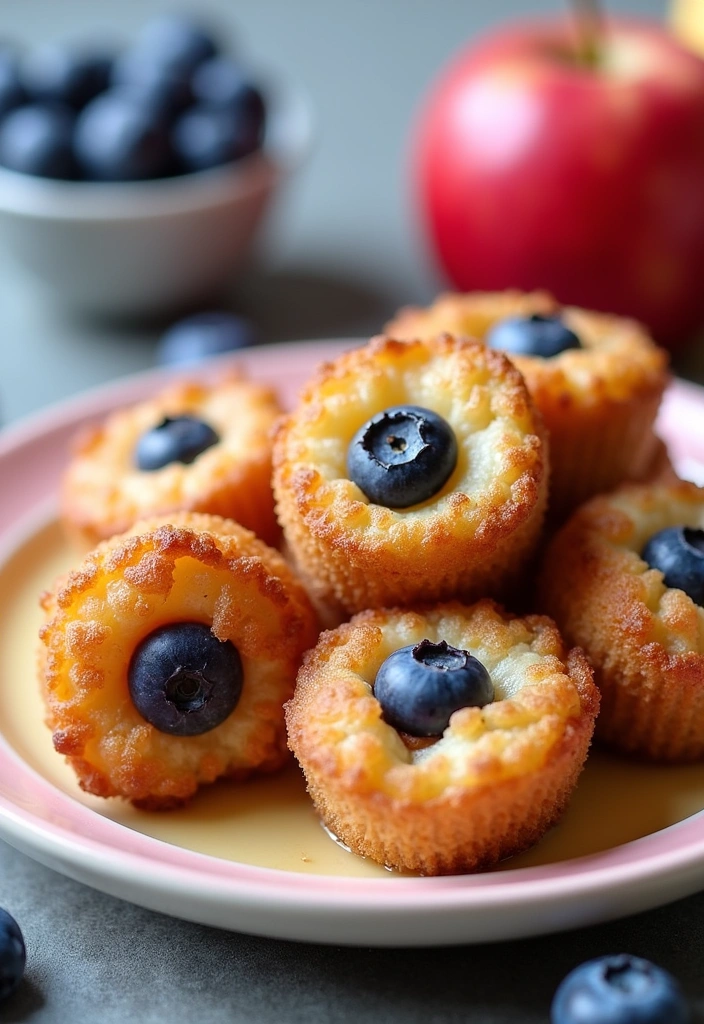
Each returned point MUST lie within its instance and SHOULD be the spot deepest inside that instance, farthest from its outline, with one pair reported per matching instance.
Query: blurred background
(343, 248)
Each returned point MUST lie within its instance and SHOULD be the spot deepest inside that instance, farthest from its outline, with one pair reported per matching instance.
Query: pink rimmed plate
(253, 858)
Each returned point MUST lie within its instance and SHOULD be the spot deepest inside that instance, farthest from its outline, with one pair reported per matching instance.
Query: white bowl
(131, 248)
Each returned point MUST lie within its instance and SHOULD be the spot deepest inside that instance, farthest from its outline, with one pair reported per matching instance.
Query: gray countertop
(346, 256)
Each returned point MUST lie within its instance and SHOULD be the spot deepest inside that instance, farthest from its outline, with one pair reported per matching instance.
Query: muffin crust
(490, 786)
(104, 492)
(645, 640)
(191, 568)
(472, 538)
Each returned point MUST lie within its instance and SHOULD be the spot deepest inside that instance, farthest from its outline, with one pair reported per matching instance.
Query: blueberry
(420, 687)
(176, 40)
(206, 137)
(678, 552)
(164, 91)
(619, 989)
(175, 439)
(11, 92)
(120, 139)
(184, 680)
(402, 455)
(534, 335)
(205, 334)
(38, 140)
(220, 83)
(12, 955)
(61, 74)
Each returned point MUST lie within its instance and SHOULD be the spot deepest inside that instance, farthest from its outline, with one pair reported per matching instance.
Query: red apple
(536, 170)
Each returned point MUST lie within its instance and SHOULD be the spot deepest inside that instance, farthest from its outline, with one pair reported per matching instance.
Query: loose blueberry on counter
(619, 990)
(38, 140)
(220, 83)
(175, 40)
(535, 335)
(175, 439)
(205, 334)
(205, 137)
(118, 138)
(419, 687)
(678, 552)
(61, 74)
(183, 680)
(11, 92)
(12, 955)
(402, 456)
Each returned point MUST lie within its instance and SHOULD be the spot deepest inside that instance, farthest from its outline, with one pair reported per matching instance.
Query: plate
(254, 857)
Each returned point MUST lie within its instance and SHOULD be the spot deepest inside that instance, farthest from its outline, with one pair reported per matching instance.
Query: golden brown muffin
(644, 638)
(599, 402)
(495, 780)
(193, 569)
(104, 492)
(472, 538)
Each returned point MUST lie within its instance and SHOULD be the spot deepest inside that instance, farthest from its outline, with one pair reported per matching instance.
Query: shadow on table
(22, 1006)
(294, 304)
(504, 983)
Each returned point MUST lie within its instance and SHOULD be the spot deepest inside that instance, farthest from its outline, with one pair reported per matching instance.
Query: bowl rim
(287, 143)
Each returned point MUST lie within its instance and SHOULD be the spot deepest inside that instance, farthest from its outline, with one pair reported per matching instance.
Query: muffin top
(104, 481)
(615, 360)
(336, 723)
(500, 468)
(597, 574)
(189, 569)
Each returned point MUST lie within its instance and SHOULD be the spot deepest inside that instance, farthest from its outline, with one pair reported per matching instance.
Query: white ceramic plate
(253, 858)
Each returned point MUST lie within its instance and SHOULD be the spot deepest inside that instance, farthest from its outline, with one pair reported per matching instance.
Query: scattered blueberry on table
(12, 955)
(419, 687)
(402, 456)
(169, 104)
(205, 334)
(534, 335)
(678, 552)
(619, 989)
(184, 680)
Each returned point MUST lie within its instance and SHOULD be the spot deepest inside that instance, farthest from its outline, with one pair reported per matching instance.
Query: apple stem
(589, 30)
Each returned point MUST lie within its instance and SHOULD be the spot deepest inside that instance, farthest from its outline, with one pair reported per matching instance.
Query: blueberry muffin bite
(194, 447)
(596, 379)
(442, 739)
(411, 471)
(624, 579)
(167, 656)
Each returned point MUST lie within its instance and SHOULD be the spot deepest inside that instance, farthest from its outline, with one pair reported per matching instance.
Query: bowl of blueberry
(135, 181)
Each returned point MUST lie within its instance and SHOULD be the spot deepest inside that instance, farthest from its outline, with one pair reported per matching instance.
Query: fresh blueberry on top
(11, 92)
(12, 955)
(205, 334)
(176, 40)
(38, 140)
(678, 552)
(175, 439)
(402, 456)
(60, 74)
(220, 83)
(619, 989)
(164, 91)
(118, 138)
(419, 687)
(205, 137)
(183, 680)
(535, 335)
